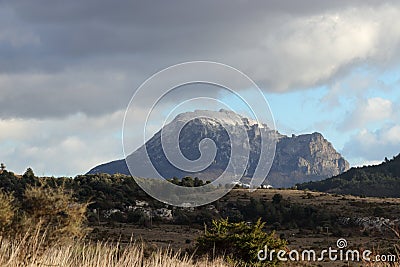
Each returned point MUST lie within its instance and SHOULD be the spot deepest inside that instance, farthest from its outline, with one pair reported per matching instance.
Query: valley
(379, 237)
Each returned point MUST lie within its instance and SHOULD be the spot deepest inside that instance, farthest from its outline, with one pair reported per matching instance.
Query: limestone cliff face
(297, 159)
(307, 157)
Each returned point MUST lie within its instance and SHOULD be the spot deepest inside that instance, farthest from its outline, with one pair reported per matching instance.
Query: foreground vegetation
(239, 243)
(47, 221)
(115, 197)
(46, 227)
(31, 251)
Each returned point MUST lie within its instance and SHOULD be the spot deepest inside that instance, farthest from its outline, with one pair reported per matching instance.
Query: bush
(239, 242)
(7, 210)
(53, 210)
(277, 198)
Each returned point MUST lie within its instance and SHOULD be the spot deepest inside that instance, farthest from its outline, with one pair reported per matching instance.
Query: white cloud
(355, 86)
(393, 135)
(315, 49)
(374, 145)
(60, 147)
(368, 111)
(375, 109)
(368, 163)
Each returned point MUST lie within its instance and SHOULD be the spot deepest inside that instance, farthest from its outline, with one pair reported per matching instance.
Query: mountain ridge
(301, 158)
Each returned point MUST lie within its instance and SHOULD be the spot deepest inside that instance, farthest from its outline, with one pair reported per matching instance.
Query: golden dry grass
(31, 250)
(396, 253)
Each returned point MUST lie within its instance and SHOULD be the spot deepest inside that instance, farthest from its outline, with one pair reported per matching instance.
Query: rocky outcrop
(307, 157)
(297, 159)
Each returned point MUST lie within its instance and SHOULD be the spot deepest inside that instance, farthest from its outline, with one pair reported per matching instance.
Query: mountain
(381, 180)
(298, 159)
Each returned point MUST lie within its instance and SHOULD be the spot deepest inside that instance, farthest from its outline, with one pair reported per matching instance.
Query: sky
(69, 68)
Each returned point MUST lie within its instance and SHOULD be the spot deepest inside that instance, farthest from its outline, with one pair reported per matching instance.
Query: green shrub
(239, 242)
(277, 198)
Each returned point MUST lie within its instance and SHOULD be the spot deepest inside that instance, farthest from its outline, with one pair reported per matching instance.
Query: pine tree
(29, 173)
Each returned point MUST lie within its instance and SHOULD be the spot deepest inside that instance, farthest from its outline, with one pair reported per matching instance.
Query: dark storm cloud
(78, 30)
(62, 57)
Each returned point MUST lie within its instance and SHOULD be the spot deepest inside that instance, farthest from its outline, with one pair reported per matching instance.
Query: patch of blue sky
(302, 112)
(294, 112)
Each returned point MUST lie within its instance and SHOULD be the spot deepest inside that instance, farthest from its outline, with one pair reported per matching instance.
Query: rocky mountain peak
(301, 158)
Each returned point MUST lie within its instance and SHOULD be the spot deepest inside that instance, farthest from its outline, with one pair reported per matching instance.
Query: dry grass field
(32, 252)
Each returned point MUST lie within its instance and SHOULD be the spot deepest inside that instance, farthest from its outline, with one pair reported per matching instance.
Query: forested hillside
(381, 180)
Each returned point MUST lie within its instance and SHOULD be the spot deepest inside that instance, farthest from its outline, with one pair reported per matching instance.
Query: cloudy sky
(69, 68)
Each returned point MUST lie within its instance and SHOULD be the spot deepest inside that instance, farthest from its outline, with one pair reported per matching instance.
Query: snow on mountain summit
(223, 116)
